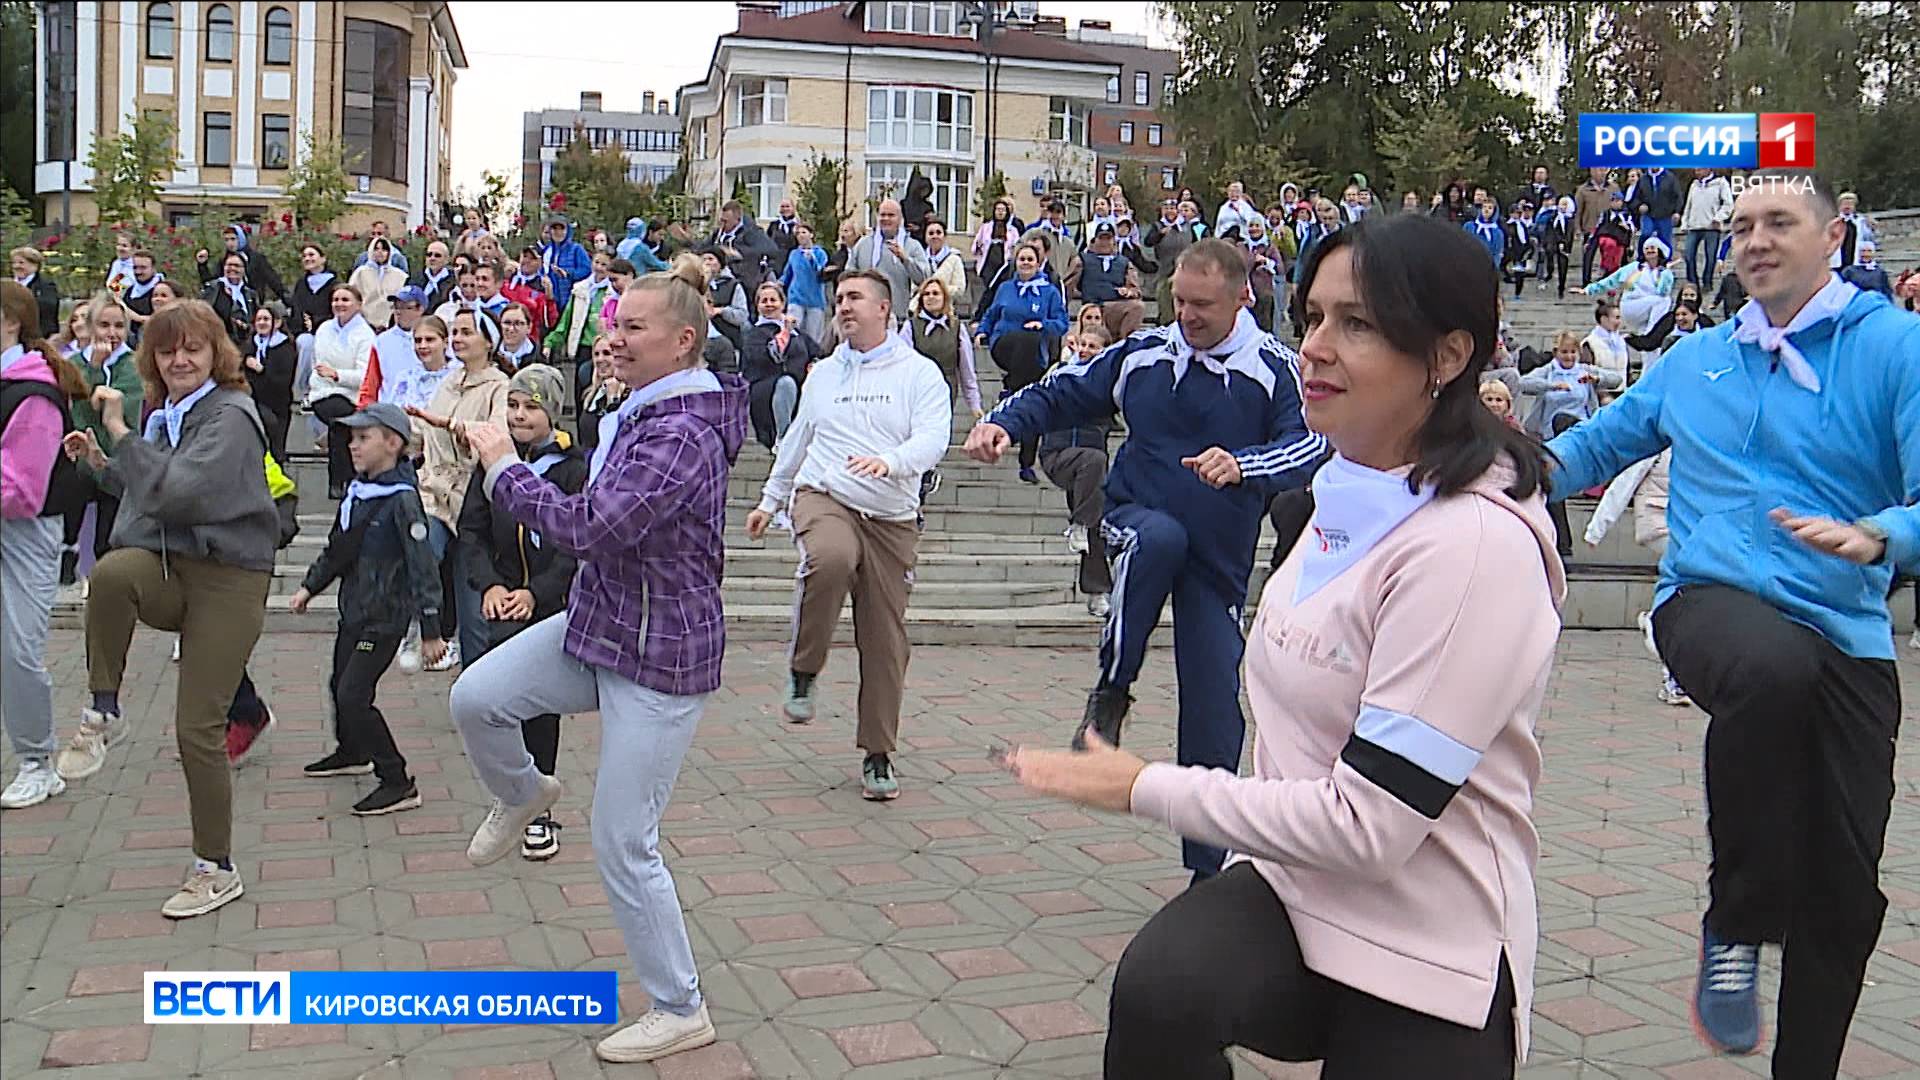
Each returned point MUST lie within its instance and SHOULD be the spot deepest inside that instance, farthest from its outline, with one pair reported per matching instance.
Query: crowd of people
(528, 457)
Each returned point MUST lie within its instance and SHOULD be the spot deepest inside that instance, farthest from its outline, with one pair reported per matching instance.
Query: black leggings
(331, 409)
(1557, 509)
(1021, 354)
(1219, 966)
(107, 508)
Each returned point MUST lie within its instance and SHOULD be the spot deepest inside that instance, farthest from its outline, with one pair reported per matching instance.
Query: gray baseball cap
(381, 414)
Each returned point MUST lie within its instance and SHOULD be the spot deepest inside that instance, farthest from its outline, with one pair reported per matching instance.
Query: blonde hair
(1495, 384)
(31, 254)
(1566, 337)
(100, 301)
(683, 296)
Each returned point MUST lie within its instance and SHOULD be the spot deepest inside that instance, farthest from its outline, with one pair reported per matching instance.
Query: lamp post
(986, 16)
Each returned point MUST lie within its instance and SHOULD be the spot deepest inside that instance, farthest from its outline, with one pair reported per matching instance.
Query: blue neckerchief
(169, 416)
(359, 489)
(316, 281)
(11, 356)
(699, 379)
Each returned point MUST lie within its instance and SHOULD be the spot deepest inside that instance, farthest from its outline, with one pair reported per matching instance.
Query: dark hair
(1422, 279)
(529, 250)
(1690, 305)
(1817, 187)
(875, 276)
(1600, 310)
(344, 287)
(621, 266)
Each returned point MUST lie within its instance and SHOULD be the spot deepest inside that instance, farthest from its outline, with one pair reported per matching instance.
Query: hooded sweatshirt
(891, 403)
(1392, 789)
(31, 442)
(567, 262)
(1747, 438)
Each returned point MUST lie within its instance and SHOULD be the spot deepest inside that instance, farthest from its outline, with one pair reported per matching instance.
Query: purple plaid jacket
(649, 536)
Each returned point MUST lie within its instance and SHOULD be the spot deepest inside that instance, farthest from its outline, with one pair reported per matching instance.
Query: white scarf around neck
(1752, 327)
(1218, 359)
(1354, 508)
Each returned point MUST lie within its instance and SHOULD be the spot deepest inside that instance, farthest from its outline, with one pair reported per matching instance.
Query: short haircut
(1815, 186)
(141, 253)
(621, 266)
(733, 205)
(875, 276)
(342, 286)
(1217, 257)
(1096, 334)
(482, 264)
(31, 254)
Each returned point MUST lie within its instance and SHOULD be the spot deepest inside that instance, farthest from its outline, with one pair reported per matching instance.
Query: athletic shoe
(656, 1035)
(1670, 692)
(1028, 476)
(929, 483)
(176, 649)
(504, 824)
(388, 798)
(541, 841)
(408, 658)
(338, 764)
(1914, 641)
(1106, 710)
(86, 752)
(69, 566)
(448, 660)
(243, 736)
(799, 706)
(1645, 619)
(208, 887)
(876, 779)
(1099, 606)
(1726, 999)
(35, 783)
(1077, 540)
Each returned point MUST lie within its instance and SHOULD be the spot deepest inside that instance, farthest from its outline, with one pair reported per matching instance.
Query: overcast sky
(523, 58)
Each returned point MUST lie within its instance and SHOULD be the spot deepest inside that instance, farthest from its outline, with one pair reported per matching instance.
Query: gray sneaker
(505, 825)
(799, 706)
(205, 890)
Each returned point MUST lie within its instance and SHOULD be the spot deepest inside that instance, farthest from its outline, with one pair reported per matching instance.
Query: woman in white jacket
(378, 279)
(341, 346)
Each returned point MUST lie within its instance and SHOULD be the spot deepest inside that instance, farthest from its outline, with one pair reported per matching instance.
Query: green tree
(496, 199)
(16, 94)
(129, 166)
(596, 186)
(816, 195)
(1263, 168)
(1425, 150)
(316, 189)
(991, 190)
(743, 195)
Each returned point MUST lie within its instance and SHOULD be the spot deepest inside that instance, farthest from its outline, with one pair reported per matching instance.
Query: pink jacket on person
(1424, 665)
(31, 443)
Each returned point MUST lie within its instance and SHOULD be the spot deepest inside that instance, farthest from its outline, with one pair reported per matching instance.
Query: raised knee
(829, 565)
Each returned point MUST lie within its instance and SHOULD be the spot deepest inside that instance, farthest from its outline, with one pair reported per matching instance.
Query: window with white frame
(759, 101)
(938, 17)
(766, 185)
(1126, 132)
(1140, 83)
(1066, 121)
(1113, 89)
(555, 135)
(952, 188)
(1166, 88)
(1154, 137)
(1169, 178)
(630, 138)
(1110, 173)
(700, 140)
(919, 118)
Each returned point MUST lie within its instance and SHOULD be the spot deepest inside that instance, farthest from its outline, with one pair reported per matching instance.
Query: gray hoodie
(205, 498)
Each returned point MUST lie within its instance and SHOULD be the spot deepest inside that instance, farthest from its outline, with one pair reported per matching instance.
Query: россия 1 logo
(1697, 140)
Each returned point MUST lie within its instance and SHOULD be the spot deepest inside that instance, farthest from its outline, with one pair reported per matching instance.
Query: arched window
(220, 33)
(159, 31)
(279, 39)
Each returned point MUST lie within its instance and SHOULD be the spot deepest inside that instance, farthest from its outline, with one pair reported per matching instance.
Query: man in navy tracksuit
(1183, 513)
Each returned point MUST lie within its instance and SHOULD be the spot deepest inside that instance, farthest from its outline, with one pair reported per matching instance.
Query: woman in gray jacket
(194, 543)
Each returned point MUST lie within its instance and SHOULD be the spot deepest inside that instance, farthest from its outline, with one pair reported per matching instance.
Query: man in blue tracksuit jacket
(1795, 430)
(1183, 513)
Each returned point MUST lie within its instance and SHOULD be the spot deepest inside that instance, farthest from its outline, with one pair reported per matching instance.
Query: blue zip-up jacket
(1253, 409)
(569, 260)
(1012, 310)
(1491, 234)
(1747, 439)
(801, 278)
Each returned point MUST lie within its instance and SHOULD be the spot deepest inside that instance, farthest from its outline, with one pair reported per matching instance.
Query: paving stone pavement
(966, 930)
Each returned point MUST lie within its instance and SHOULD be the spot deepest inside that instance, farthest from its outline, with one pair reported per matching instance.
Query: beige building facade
(244, 83)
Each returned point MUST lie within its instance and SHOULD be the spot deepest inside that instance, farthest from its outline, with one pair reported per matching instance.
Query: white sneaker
(176, 649)
(408, 658)
(448, 660)
(207, 888)
(506, 825)
(1099, 605)
(1645, 619)
(1914, 641)
(86, 752)
(1077, 539)
(34, 784)
(1670, 692)
(656, 1035)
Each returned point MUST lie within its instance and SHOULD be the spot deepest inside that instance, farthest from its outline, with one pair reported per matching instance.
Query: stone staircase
(993, 565)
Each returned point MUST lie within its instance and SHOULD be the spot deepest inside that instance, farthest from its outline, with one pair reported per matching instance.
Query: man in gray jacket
(898, 257)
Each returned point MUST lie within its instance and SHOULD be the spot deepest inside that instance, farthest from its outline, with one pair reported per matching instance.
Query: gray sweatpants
(29, 577)
(644, 735)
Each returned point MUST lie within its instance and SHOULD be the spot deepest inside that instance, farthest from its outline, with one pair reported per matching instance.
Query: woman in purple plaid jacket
(641, 640)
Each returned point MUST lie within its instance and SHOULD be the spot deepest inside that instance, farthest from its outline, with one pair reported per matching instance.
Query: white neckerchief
(1222, 358)
(515, 354)
(433, 280)
(262, 344)
(1520, 227)
(933, 322)
(237, 292)
(318, 280)
(693, 380)
(357, 490)
(1354, 509)
(1751, 327)
(764, 321)
(1106, 262)
(169, 417)
(106, 368)
(26, 282)
(13, 354)
(136, 288)
(1869, 265)
(1485, 229)
(1029, 286)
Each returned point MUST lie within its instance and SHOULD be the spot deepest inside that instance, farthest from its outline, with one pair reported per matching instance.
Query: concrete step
(1050, 566)
(927, 596)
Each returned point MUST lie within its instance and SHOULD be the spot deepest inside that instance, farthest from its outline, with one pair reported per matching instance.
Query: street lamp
(985, 16)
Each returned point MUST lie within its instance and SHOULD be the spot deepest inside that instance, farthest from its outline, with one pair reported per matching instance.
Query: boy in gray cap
(378, 551)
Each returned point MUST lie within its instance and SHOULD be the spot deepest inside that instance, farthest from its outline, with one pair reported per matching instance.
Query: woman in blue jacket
(800, 281)
(1027, 316)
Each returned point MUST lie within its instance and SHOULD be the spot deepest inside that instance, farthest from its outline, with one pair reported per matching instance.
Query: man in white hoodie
(875, 416)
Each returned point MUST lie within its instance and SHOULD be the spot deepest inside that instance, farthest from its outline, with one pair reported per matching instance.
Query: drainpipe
(846, 130)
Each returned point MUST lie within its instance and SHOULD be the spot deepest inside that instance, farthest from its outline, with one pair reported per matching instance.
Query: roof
(838, 26)
(442, 16)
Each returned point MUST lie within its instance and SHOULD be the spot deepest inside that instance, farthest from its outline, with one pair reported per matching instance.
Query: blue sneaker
(1726, 1000)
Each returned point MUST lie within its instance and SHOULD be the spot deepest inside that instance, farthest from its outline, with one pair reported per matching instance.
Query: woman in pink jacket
(1378, 912)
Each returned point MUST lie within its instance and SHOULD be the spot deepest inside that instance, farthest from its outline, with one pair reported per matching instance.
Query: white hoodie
(891, 403)
(345, 349)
